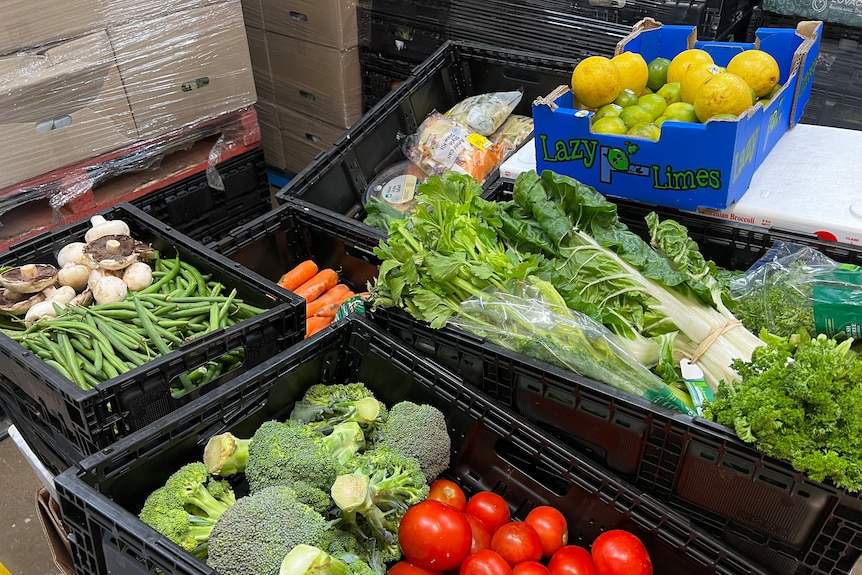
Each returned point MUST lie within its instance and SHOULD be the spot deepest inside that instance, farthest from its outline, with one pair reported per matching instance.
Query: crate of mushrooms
(113, 322)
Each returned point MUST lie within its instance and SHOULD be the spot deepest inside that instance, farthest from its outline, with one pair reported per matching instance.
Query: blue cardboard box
(691, 165)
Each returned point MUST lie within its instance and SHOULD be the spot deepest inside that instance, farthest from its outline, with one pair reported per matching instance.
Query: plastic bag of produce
(442, 144)
(485, 113)
(530, 317)
(514, 132)
(795, 286)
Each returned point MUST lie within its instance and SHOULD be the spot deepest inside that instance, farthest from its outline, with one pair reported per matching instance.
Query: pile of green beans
(90, 345)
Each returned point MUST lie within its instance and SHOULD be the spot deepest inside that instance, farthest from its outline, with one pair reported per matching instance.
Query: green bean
(78, 345)
(121, 332)
(121, 348)
(59, 368)
(157, 285)
(223, 312)
(195, 276)
(93, 380)
(150, 329)
(192, 311)
(71, 359)
(109, 370)
(214, 315)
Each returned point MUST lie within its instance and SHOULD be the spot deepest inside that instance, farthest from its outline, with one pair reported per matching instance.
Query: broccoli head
(326, 405)
(187, 507)
(283, 453)
(225, 454)
(432, 447)
(374, 496)
(253, 536)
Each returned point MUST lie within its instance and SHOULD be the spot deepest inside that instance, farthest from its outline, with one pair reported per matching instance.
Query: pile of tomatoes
(453, 535)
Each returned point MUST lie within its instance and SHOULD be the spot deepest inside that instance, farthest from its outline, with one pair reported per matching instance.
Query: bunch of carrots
(322, 293)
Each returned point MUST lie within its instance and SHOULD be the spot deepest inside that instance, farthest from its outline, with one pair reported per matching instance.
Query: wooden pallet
(107, 180)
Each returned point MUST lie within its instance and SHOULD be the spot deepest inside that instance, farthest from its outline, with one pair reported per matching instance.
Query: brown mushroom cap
(114, 252)
(29, 278)
(12, 303)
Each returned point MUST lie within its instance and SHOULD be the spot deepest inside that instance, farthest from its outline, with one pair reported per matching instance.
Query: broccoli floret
(432, 447)
(283, 453)
(374, 496)
(225, 454)
(253, 536)
(313, 496)
(311, 560)
(187, 507)
(326, 405)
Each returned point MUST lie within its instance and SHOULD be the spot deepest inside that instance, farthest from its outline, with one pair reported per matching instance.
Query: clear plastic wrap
(523, 319)
(88, 88)
(794, 287)
(485, 113)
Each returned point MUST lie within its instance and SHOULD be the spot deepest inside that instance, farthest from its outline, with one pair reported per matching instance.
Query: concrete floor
(23, 547)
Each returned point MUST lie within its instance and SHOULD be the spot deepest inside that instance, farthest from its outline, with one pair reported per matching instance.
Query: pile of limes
(632, 97)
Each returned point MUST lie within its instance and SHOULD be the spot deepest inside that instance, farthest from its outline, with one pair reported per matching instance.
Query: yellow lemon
(596, 81)
(694, 78)
(633, 69)
(758, 68)
(723, 93)
(681, 62)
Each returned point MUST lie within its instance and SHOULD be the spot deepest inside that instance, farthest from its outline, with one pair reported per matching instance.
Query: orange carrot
(332, 295)
(318, 285)
(298, 275)
(331, 308)
(315, 324)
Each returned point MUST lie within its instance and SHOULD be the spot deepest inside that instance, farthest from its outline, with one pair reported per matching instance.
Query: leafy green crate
(759, 505)
(338, 179)
(492, 449)
(78, 422)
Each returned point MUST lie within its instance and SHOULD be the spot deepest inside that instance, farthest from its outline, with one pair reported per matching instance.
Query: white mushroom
(72, 253)
(12, 303)
(109, 289)
(82, 299)
(74, 275)
(29, 278)
(138, 276)
(102, 227)
(46, 309)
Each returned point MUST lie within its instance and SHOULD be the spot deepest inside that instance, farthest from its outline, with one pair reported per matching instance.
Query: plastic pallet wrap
(492, 449)
(102, 87)
(77, 422)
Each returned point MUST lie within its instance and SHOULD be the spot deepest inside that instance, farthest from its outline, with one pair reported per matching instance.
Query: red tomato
(571, 560)
(530, 568)
(489, 508)
(551, 526)
(485, 562)
(408, 568)
(448, 492)
(517, 542)
(619, 552)
(481, 535)
(434, 535)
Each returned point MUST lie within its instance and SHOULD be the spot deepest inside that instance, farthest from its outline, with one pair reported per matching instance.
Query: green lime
(657, 73)
(626, 98)
(681, 111)
(653, 103)
(648, 131)
(773, 92)
(609, 125)
(661, 120)
(636, 115)
(671, 92)
(608, 110)
(753, 96)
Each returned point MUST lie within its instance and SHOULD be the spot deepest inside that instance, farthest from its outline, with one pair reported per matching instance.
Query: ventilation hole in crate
(773, 481)
(594, 410)
(564, 399)
(804, 494)
(207, 372)
(623, 423)
(708, 455)
(736, 467)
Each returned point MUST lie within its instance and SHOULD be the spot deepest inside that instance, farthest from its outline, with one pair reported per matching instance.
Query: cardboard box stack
(306, 67)
(82, 78)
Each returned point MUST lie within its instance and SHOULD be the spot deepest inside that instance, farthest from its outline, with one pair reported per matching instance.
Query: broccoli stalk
(187, 507)
(309, 560)
(325, 406)
(226, 454)
(375, 496)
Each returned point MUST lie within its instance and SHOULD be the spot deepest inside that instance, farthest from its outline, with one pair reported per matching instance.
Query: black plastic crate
(80, 422)
(338, 179)
(380, 76)
(761, 18)
(205, 213)
(34, 437)
(834, 108)
(492, 449)
(398, 37)
(433, 11)
(755, 503)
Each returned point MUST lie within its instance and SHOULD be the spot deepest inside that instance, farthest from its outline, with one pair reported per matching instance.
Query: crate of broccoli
(320, 452)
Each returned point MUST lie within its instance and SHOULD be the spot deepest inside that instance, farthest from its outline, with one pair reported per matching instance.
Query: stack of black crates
(397, 35)
(836, 94)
